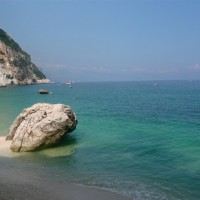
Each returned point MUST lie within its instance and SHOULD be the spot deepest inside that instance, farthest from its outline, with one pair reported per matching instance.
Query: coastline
(19, 184)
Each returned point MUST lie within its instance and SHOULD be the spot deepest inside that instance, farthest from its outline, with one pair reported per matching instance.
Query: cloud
(195, 67)
(51, 65)
(154, 70)
(113, 69)
(130, 70)
(137, 69)
(99, 69)
(59, 71)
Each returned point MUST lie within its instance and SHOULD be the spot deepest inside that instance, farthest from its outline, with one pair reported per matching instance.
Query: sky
(107, 40)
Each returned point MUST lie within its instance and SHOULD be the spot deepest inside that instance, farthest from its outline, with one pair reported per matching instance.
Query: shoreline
(20, 184)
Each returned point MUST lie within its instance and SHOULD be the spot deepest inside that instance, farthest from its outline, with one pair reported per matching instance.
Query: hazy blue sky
(102, 40)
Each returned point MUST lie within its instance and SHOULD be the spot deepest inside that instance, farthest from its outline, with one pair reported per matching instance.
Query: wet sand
(20, 184)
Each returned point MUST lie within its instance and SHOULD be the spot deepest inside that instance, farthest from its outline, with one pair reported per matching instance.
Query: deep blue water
(134, 138)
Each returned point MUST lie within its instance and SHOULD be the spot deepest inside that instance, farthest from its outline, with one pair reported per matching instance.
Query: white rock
(41, 125)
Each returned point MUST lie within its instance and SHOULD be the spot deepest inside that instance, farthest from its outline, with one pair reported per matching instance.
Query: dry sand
(19, 184)
(4, 144)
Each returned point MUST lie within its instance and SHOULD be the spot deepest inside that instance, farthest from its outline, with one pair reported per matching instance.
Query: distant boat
(69, 83)
(43, 91)
(156, 84)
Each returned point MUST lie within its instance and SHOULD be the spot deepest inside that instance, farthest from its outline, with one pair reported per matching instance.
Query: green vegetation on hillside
(8, 76)
(23, 64)
(37, 72)
(20, 62)
(7, 40)
(2, 60)
(21, 59)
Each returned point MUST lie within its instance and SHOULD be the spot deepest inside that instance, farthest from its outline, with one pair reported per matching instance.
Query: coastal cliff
(15, 64)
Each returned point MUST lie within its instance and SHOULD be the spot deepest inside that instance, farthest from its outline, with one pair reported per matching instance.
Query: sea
(140, 139)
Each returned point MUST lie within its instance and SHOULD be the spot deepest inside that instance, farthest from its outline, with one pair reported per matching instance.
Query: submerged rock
(41, 125)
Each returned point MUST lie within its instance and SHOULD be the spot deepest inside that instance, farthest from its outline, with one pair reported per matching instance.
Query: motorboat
(43, 91)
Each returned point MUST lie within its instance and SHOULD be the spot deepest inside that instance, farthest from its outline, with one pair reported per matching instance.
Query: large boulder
(41, 125)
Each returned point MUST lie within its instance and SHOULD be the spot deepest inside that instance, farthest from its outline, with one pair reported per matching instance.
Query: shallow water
(135, 138)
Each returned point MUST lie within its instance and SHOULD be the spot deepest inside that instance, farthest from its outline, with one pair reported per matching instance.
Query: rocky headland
(15, 64)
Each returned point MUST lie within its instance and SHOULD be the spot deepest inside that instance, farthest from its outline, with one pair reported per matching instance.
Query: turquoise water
(134, 138)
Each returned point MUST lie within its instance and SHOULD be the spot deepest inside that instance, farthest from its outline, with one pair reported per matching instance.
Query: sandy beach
(4, 146)
(20, 184)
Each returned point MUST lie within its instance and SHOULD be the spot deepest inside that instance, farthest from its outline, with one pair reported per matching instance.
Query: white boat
(69, 83)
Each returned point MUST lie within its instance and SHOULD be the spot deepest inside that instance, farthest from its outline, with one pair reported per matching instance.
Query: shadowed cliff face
(15, 64)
